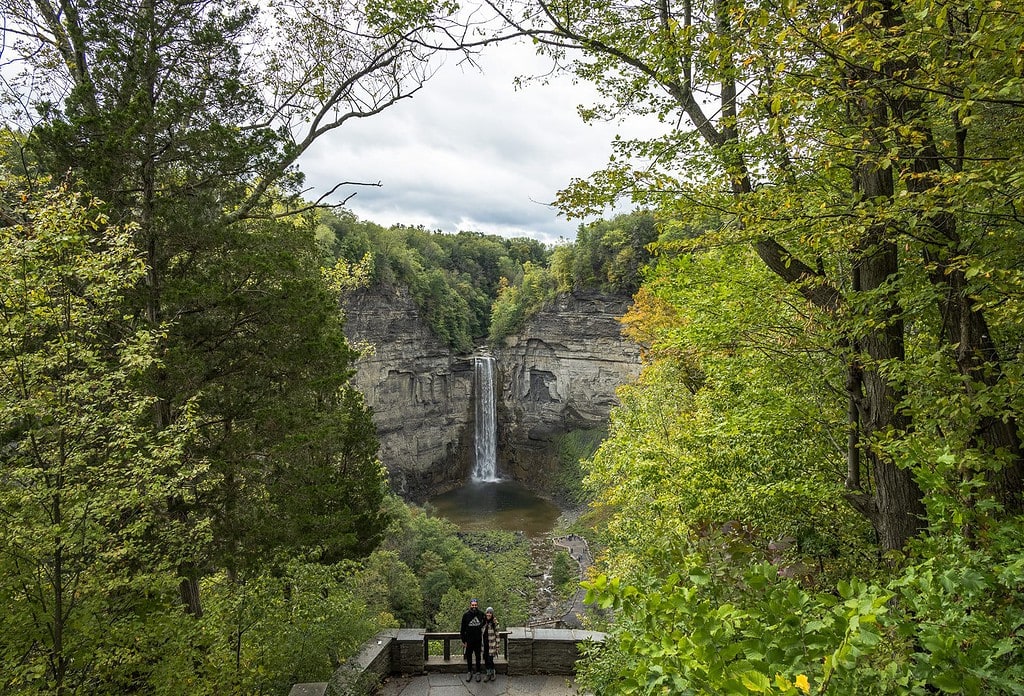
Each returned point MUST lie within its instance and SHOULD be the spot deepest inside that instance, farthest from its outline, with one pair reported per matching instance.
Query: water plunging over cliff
(488, 501)
(485, 463)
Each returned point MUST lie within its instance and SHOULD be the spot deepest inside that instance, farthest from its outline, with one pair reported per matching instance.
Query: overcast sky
(468, 152)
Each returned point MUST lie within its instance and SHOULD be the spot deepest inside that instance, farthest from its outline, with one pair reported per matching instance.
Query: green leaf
(949, 682)
(755, 681)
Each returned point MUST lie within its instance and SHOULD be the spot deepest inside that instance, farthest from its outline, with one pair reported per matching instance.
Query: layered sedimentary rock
(556, 375)
(420, 392)
(559, 374)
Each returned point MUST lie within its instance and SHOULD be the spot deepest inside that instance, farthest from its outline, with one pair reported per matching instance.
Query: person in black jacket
(472, 623)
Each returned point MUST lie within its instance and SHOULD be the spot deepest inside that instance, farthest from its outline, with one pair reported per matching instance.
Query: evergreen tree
(190, 135)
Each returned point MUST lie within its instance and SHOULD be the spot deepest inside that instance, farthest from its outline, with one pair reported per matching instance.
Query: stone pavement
(456, 685)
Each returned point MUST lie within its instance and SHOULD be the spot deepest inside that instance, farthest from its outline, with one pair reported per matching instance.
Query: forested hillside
(454, 278)
(473, 287)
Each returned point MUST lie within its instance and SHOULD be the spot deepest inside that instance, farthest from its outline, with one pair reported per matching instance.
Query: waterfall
(485, 464)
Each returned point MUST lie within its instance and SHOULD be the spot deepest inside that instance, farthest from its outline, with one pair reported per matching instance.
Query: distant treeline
(473, 286)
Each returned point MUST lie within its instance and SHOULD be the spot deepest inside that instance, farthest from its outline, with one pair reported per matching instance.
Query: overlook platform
(414, 662)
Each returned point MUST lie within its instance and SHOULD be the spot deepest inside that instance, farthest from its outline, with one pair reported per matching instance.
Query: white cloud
(469, 151)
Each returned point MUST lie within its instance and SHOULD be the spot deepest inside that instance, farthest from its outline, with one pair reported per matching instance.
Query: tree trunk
(894, 503)
(895, 506)
(891, 499)
(188, 590)
(964, 327)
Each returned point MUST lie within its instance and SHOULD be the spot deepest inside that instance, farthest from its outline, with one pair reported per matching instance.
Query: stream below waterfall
(508, 506)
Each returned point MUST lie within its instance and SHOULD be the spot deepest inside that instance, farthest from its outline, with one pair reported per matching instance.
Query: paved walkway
(456, 685)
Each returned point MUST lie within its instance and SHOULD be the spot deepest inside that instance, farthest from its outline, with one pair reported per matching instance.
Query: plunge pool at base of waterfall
(499, 505)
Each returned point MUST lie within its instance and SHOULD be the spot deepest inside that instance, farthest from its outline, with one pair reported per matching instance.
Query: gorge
(556, 375)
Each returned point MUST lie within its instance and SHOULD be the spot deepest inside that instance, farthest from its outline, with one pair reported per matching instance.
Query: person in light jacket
(491, 642)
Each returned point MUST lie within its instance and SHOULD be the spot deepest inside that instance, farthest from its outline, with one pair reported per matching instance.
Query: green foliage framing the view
(732, 564)
(817, 485)
(91, 561)
(186, 469)
(75, 452)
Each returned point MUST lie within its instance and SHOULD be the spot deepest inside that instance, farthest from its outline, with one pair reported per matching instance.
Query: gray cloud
(468, 152)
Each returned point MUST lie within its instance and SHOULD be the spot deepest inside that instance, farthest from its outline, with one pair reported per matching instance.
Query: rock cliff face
(419, 391)
(558, 374)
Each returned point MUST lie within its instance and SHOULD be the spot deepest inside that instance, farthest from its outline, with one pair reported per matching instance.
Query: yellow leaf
(803, 684)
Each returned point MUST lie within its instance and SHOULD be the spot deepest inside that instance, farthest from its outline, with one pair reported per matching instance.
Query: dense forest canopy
(454, 278)
(473, 287)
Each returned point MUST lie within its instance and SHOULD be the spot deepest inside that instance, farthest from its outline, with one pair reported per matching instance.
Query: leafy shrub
(717, 626)
(564, 575)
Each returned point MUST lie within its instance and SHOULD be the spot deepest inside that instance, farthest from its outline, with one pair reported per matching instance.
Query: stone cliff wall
(558, 374)
(419, 391)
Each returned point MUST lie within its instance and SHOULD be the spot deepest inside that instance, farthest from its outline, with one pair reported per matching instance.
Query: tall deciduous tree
(855, 146)
(82, 484)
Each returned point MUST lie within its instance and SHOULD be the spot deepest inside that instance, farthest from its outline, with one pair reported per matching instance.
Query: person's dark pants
(488, 660)
(471, 650)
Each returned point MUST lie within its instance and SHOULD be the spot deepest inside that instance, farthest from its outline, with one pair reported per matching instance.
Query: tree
(190, 135)
(611, 254)
(851, 146)
(730, 564)
(840, 138)
(734, 409)
(260, 332)
(84, 556)
(516, 303)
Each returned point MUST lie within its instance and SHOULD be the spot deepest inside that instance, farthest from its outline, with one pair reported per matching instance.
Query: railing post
(426, 649)
(447, 649)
